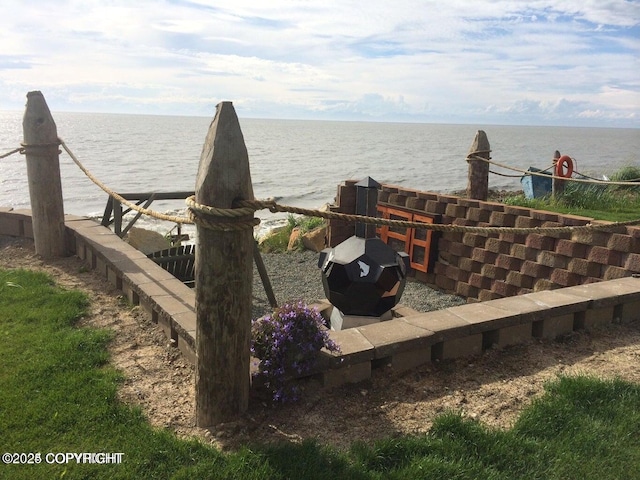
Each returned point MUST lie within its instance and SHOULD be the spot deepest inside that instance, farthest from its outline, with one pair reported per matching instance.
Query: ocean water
(299, 163)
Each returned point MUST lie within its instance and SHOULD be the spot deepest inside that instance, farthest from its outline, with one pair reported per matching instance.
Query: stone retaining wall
(490, 266)
(409, 339)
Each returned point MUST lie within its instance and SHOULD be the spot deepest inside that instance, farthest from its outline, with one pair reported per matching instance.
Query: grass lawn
(625, 210)
(58, 395)
(601, 202)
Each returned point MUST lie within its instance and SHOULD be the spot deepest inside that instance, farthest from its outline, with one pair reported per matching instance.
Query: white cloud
(340, 59)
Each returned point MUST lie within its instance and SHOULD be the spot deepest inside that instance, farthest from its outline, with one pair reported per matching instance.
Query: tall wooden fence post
(478, 181)
(224, 276)
(43, 175)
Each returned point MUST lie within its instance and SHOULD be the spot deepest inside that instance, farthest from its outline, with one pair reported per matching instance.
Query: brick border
(408, 340)
(486, 267)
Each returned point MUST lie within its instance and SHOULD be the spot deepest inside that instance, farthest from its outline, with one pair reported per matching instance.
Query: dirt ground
(492, 388)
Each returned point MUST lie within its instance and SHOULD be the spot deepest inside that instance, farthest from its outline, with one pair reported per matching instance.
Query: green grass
(58, 394)
(601, 202)
(629, 173)
(279, 240)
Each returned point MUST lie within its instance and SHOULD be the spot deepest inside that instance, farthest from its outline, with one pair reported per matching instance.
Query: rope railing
(546, 175)
(11, 152)
(520, 175)
(275, 207)
(241, 216)
(120, 198)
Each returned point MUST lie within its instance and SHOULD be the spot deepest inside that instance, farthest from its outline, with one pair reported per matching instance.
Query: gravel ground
(296, 276)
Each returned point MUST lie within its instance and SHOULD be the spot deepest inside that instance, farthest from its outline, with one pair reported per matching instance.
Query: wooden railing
(113, 212)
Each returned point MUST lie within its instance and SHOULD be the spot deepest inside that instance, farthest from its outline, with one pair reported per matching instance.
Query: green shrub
(278, 241)
(629, 173)
(587, 196)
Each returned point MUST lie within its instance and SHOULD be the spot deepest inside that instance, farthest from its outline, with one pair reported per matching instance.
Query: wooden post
(478, 181)
(117, 217)
(43, 175)
(264, 276)
(557, 186)
(224, 276)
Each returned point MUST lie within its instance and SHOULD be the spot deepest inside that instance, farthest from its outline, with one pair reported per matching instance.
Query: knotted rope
(40, 149)
(225, 219)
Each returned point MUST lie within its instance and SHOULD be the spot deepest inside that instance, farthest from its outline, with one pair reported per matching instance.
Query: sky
(535, 62)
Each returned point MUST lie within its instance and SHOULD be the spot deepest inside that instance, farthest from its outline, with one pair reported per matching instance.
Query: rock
(315, 240)
(293, 238)
(147, 241)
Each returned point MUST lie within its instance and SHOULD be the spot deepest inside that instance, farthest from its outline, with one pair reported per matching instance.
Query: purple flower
(287, 342)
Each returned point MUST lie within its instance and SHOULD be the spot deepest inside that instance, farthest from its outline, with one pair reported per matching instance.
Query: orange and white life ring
(564, 167)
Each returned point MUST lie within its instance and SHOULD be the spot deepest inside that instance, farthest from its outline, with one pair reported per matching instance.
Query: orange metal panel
(420, 240)
(416, 242)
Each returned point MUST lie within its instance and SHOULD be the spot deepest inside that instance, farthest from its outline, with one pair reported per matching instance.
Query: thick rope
(15, 150)
(219, 212)
(274, 207)
(218, 218)
(209, 217)
(40, 149)
(124, 201)
(519, 175)
(545, 175)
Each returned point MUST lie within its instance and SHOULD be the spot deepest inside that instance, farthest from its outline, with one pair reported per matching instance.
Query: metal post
(366, 204)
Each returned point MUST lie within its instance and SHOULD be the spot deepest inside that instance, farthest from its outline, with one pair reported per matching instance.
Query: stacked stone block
(489, 266)
(410, 338)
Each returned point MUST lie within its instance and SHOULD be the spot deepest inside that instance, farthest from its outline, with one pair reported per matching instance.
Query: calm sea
(298, 162)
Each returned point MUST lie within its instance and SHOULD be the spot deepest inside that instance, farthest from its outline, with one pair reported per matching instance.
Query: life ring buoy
(564, 162)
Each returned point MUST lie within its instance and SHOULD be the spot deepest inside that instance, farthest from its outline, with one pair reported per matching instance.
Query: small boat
(536, 186)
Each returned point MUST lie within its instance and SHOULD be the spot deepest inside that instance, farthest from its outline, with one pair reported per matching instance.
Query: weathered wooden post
(224, 275)
(264, 276)
(43, 174)
(478, 182)
(557, 186)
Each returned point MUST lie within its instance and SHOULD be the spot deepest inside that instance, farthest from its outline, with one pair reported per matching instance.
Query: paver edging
(172, 304)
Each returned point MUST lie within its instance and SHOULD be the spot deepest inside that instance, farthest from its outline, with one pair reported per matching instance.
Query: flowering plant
(287, 343)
